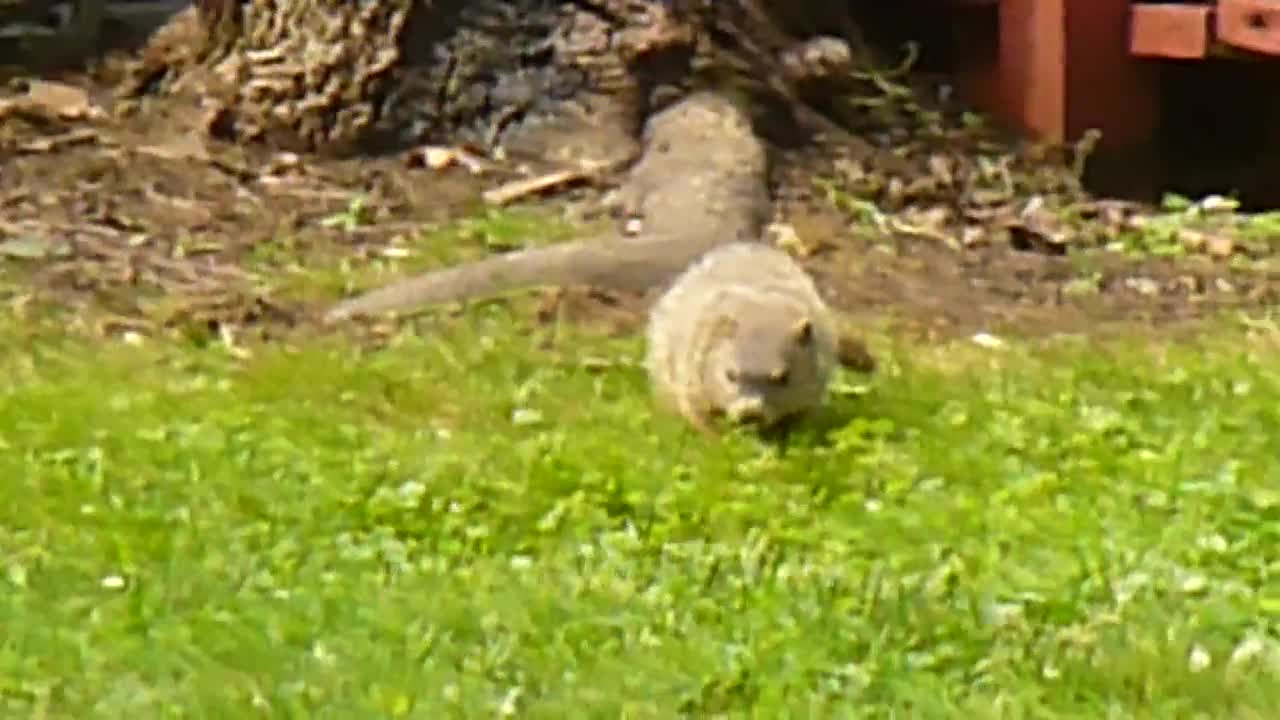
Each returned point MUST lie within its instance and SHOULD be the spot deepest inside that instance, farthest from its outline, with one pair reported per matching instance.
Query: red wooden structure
(1064, 66)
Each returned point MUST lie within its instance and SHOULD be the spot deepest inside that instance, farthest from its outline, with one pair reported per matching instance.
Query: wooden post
(1107, 87)
(1065, 67)
(1032, 66)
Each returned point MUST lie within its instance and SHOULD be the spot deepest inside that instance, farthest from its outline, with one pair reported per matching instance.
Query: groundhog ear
(803, 331)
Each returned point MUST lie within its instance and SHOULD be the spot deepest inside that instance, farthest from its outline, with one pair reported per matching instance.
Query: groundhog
(742, 334)
(701, 180)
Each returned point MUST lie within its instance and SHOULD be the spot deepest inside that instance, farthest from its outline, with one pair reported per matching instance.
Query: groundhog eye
(731, 375)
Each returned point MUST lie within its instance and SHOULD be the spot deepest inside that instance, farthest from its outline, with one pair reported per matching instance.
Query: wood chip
(512, 191)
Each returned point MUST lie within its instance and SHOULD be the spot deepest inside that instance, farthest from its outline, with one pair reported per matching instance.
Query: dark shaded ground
(125, 216)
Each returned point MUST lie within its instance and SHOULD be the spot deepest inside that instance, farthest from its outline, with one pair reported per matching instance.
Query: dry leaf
(65, 101)
(184, 147)
(25, 248)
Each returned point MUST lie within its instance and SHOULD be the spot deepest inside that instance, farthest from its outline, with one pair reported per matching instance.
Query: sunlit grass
(462, 525)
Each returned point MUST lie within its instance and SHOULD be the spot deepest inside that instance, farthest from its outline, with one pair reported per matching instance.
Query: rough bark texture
(337, 76)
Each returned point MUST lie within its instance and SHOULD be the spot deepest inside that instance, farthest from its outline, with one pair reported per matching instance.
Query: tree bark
(337, 76)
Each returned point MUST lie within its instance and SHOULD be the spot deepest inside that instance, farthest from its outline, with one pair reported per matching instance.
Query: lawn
(463, 525)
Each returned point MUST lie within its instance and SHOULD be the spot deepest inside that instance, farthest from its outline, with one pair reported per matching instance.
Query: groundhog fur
(742, 334)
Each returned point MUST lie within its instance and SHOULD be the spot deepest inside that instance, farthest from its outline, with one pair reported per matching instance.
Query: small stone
(1199, 659)
(1142, 285)
(1220, 246)
(987, 340)
(1218, 204)
(525, 416)
(438, 158)
(1248, 649)
(1192, 240)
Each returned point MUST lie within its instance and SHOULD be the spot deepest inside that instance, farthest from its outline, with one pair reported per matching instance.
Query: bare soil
(128, 220)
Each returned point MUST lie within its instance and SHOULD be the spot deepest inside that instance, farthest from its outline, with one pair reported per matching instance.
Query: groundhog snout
(748, 409)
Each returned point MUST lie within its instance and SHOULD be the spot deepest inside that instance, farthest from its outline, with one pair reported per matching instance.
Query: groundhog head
(767, 366)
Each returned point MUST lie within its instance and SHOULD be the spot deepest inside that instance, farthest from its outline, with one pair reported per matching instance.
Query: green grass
(464, 526)
(334, 273)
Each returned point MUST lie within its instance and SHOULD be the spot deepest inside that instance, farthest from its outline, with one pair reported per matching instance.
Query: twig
(509, 192)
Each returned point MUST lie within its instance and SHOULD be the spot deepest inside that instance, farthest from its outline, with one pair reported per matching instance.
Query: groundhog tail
(605, 262)
(490, 276)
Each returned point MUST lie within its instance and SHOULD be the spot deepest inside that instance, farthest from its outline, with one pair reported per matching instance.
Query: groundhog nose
(747, 410)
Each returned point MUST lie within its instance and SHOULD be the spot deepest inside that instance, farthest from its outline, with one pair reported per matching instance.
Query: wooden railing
(1189, 31)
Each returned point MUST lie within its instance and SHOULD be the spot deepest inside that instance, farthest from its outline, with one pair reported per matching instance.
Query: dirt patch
(118, 212)
(938, 293)
(125, 212)
(933, 293)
